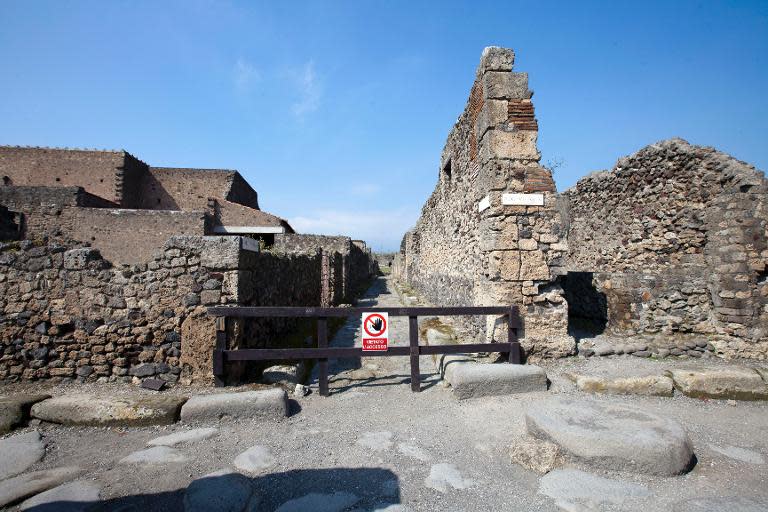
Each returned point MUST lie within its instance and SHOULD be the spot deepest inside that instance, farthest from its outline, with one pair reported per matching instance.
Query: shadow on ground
(365, 489)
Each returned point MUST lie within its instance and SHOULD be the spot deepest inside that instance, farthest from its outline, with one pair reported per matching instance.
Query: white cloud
(365, 189)
(381, 229)
(310, 91)
(245, 75)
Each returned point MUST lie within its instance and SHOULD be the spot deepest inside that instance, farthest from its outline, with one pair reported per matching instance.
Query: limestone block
(533, 266)
(266, 404)
(502, 85)
(83, 409)
(473, 380)
(611, 436)
(505, 265)
(496, 58)
(648, 385)
(492, 115)
(725, 383)
(514, 145)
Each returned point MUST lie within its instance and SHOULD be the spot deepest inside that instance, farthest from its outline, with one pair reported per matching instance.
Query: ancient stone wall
(106, 174)
(166, 188)
(66, 313)
(492, 231)
(676, 238)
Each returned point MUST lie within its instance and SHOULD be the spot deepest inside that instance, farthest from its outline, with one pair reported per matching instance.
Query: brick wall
(165, 188)
(106, 174)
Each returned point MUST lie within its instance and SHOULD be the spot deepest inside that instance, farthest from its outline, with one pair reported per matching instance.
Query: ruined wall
(166, 188)
(66, 313)
(492, 233)
(676, 236)
(107, 174)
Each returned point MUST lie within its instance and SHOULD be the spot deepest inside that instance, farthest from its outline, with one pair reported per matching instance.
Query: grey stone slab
(376, 441)
(647, 385)
(265, 404)
(254, 459)
(443, 477)
(223, 491)
(734, 383)
(72, 497)
(316, 502)
(722, 504)
(185, 436)
(14, 410)
(472, 380)
(155, 455)
(569, 486)
(19, 452)
(83, 409)
(23, 486)
(612, 436)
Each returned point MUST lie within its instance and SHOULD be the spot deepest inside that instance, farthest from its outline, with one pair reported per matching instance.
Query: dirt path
(375, 445)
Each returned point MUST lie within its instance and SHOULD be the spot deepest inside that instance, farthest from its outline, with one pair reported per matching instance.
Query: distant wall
(166, 188)
(107, 174)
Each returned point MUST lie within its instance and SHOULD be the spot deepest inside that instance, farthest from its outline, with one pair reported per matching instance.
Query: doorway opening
(587, 306)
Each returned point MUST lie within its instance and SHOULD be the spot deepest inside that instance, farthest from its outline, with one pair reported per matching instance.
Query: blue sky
(336, 112)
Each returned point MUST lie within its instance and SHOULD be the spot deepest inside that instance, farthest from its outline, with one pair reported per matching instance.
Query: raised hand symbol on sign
(377, 324)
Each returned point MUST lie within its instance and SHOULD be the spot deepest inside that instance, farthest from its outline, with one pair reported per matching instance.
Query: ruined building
(669, 247)
(107, 266)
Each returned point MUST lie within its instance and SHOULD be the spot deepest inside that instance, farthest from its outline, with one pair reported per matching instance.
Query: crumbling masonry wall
(66, 313)
(676, 236)
(492, 233)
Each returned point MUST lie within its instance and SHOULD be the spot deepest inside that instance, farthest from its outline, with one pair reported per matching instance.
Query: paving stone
(536, 454)
(17, 488)
(72, 497)
(185, 436)
(722, 504)
(254, 459)
(571, 486)
(14, 410)
(109, 411)
(444, 476)
(316, 502)
(473, 380)
(281, 374)
(647, 385)
(223, 491)
(19, 452)
(734, 383)
(612, 436)
(413, 451)
(742, 454)
(377, 441)
(266, 404)
(155, 455)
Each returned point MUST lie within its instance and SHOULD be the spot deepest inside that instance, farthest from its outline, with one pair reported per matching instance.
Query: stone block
(82, 409)
(505, 265)
(733, 383)
(509, 145)
(473, 380)
(492, 115)
(647, 385)
(77, 259)
(496, 58)
(14, 410)
(533, 266)
(269, 404)
(503, 85)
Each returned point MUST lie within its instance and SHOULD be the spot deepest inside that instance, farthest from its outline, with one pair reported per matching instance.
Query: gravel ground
(383, 446)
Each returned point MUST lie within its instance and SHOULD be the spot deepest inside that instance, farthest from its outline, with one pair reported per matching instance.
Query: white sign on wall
(484, 204)
(522, 199)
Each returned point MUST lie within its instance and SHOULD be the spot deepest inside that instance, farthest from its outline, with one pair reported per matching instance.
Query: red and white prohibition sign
(375, 331)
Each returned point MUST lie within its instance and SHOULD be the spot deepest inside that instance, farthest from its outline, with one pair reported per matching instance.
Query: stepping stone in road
(14, 410)
(263, 404)
(473, 380)
(734, 383)
(223, 491)
(254, 459)
(17, 488)
(647, 385)
(108, 411)
(185, 436)
(72, 497)
(19, 452)
(376, 441)
(444, 476)
(611, 436)
(155, 455)
(315, 502)
(569, 486)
